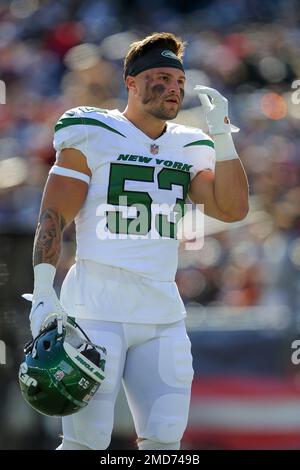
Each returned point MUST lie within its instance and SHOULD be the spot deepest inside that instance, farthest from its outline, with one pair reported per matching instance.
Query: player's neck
(148, 124)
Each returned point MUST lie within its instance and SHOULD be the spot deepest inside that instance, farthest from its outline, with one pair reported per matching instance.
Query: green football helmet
(61, 370)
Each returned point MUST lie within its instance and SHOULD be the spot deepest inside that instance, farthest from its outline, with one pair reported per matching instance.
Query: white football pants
(155, 364)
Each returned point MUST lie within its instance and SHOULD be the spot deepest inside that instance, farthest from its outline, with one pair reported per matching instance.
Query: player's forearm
(231, 189)
(62, 199)
(48, 237)
(230, 183)
(229, 198)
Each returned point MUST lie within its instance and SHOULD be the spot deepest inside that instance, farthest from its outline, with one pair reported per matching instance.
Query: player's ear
(130, 83)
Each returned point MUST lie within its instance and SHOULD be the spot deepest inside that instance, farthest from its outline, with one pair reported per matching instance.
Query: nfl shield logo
(154, 149)
(59, 375)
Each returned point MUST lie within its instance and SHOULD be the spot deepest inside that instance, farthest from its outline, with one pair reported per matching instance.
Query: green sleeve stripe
(209, 143)
(66, 122)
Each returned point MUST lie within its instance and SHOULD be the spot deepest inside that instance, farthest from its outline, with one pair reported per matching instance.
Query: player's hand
(216, 110)
(45, 308)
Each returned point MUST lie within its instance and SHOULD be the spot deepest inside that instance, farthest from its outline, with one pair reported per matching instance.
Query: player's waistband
(111, 272)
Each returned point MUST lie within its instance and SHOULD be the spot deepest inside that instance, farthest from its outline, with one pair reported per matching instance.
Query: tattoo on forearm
(48, 237)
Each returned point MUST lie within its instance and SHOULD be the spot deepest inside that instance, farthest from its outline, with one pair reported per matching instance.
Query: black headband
(152, 59)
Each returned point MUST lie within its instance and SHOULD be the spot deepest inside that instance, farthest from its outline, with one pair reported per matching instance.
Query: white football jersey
(137, 189)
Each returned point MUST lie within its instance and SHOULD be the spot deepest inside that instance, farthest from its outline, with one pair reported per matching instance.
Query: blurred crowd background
(242, 290)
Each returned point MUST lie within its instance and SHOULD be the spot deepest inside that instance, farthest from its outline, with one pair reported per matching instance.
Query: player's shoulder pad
(89, 117)
(191, 136)
(81, 112)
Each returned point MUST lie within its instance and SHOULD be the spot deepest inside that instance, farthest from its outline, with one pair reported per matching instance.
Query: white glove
(45, 308)
(45, 304)
(216, 112)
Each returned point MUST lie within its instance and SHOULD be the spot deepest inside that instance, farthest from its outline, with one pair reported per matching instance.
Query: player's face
(161, 91)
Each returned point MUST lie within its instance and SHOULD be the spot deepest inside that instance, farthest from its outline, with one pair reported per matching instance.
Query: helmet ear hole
(47, 345)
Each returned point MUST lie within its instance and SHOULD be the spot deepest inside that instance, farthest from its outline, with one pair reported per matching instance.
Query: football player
(113, 171)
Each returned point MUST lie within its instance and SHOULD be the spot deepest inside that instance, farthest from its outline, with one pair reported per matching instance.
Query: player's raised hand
(215, 110)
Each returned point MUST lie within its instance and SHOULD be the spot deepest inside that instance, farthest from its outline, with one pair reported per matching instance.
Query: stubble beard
(160, 112)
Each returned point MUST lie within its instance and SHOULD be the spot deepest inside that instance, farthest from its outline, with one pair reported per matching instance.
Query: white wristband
(44, 274)
(224, 147)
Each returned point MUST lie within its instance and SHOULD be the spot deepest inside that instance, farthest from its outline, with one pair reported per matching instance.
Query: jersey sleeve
(201, 152)
(71, 131)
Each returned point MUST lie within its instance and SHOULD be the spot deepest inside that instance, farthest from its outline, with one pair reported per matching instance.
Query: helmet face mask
(61, 370)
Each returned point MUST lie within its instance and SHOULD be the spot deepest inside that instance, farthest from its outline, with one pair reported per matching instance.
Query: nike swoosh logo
(40, 303)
